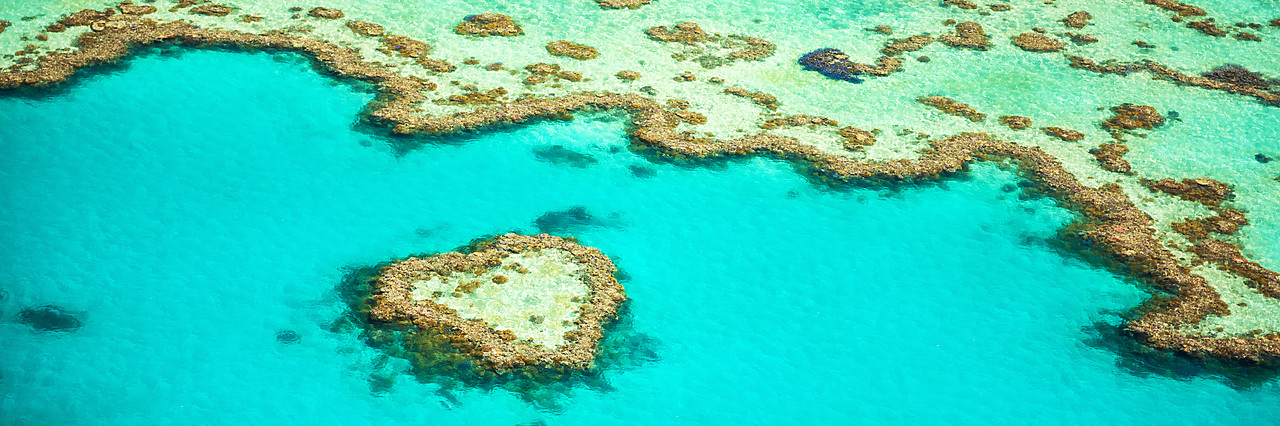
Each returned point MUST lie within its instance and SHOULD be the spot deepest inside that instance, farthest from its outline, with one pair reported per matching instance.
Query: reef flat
(513, 301)
(1125, 220)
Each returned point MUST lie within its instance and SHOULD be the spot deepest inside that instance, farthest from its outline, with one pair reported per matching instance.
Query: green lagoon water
(193, 204)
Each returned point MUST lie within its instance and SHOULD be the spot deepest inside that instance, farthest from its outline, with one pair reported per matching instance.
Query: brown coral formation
(326, 13)
(476, 97)
(1203, 190)
(711, 51)
(910, 44)
(628, 75)
(1111, 226)
(622, 4)
(404, 46)
(499, 350)
(684, 32)
(1226, 222)
(759, 98)
(489, 24)
(1130, 116)
(1207, 27)
(1165, 73)
(212, 10)
(856, 139)
(1064, 134)
(128, 8)
(572, 50)
(1111, 157)
(1036, 42)
(797, 121)
(1015, 122)
(1182, 9)
(967, 35)
(367, 29)
(1077, 19)
(1229, 258)
(953, 107)
(4, 24)
(963, 4)
(1000, 7)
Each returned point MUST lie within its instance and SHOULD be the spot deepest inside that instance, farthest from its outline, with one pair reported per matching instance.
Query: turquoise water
(194, 222)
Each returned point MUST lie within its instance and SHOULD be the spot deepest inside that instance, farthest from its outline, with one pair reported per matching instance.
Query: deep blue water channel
(193, 205)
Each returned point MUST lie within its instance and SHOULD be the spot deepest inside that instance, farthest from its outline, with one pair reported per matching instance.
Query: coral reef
(51, 318)
(489, 24)
(394, 301)
(856, 139)
(1064, 134)
(1111, 157)
(1110, 225)
(572, 50)
(622, 4)
(1036, 42)
(710, 51)
(1240, 76)
(759, 98)
(1015, 122)
(628, 75)
(1182, 9)
(326, 13)
(953, 107)
(367, 29)
(404, 46)
(1130, 116)
(1077, 19)
(1201, 190)
(212, 10)
(967, 35)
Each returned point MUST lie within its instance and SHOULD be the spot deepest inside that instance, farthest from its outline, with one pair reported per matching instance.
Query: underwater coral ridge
(500, 350)
(1111, 225)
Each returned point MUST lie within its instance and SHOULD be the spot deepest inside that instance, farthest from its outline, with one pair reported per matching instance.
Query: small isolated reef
(511, 302)
(463, 301)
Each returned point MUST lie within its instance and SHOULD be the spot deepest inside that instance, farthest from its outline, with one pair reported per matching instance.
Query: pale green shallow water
(765, 300)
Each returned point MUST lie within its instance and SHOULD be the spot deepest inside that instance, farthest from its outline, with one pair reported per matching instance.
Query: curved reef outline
(1111, 225)
(500, 350)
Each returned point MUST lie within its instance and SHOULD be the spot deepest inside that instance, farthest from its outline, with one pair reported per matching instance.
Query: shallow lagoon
(193, 223)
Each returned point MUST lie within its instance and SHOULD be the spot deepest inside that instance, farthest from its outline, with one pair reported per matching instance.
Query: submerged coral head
(831, 63)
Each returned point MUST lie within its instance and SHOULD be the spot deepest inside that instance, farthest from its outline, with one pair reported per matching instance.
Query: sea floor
(201, 211)
(757, 296)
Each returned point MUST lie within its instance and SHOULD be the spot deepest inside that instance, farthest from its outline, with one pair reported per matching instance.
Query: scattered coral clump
(404, 46)
(953, 107)
(489, 24)
(831, 63)
(910, 44)
(968, 35)
(326, 13)
(628, 75)
(1201, 190)
(1077, 19)
(622, 4)
(1036, 42)
(759, 98)
(1238, 75)
(1064, 134)
(684, 32)
(1130, 116)
(212, 10)
(367, 29)
(1182, 9)
(1111, 157)
(572, 50)
(856, 139)
(1207, 27)
(1015, 122)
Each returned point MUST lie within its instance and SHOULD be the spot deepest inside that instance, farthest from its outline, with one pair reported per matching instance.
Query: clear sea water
(193, 223)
